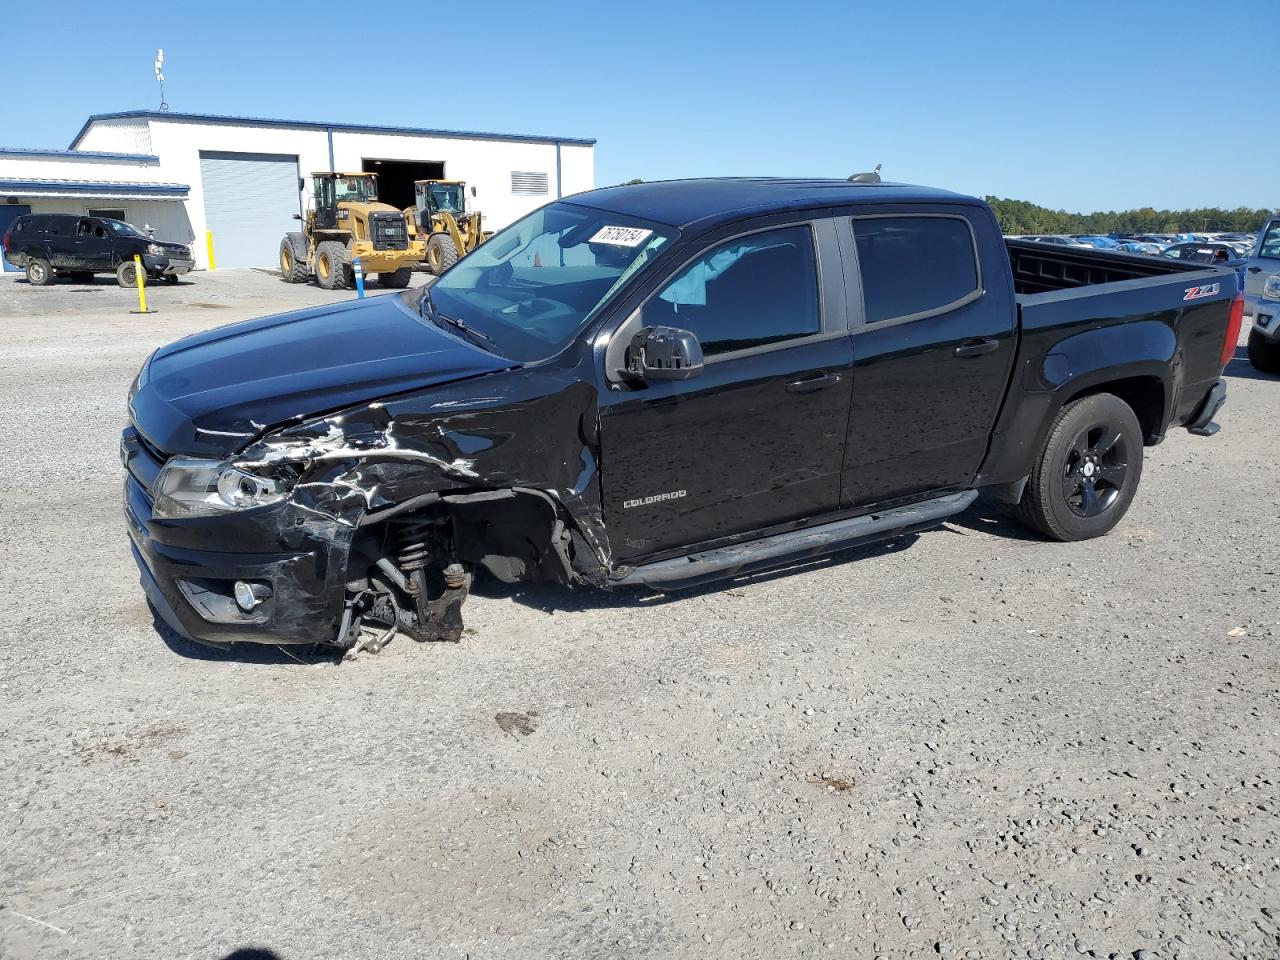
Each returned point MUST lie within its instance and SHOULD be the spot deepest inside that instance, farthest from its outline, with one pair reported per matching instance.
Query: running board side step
(796, 545)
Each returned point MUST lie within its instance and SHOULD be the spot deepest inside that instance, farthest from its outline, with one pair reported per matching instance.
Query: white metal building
(242, 179)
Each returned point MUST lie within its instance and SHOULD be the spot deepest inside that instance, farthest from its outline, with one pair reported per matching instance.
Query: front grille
(388, 231)
(142, 459)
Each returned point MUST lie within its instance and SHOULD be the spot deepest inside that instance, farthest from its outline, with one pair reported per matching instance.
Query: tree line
(1019, 216)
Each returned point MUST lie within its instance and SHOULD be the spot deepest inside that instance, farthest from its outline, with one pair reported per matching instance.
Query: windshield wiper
(427, 309)
(471, 333)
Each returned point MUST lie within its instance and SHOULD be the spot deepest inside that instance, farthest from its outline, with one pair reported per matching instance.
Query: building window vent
(528, 184)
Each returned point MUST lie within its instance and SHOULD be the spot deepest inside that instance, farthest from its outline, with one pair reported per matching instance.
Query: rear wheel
(1264, 354)
(1088, 472)
(127, 274)
(39, 272)
(331, 265)
(396, 279)
(291, 269)
(441, 253)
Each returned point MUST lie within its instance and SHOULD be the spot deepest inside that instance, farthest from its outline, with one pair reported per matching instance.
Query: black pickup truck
(657, 384)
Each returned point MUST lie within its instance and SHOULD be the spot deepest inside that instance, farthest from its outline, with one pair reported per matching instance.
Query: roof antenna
(164, 107)
(872, 177)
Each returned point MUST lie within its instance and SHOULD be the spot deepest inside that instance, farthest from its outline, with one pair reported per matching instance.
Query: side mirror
(297, 216)
(664, 353)
(473, 190)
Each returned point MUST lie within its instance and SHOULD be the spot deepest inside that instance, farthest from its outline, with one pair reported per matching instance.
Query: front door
(9, 212)
(92, 245)
(755, 439)
(934, 350)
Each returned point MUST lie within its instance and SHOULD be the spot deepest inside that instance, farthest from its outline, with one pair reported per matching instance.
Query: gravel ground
(969, 743)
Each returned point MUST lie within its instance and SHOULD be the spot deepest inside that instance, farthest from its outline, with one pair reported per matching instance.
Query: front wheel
(441, 253)
(331, 265)
(127, 274)
(1264, 354)
(1088, 472)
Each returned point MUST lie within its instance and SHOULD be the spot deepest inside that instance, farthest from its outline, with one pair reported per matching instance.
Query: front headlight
(188, 487)
(1271, 289)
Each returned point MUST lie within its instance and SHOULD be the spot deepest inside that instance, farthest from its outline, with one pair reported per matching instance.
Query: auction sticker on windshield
(621, 236)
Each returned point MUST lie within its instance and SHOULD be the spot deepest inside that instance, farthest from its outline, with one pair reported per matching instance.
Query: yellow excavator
(346, 222)
(442, 222)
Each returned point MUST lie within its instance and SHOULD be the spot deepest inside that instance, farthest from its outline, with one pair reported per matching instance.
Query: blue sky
(1081, 105)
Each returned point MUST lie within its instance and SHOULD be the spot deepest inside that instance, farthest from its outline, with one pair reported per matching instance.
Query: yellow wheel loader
(441, 221)
(346, 221)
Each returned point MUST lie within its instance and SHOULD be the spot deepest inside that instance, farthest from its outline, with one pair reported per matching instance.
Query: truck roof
(681, 203)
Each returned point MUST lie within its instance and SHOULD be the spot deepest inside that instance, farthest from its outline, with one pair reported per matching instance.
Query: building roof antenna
(164, 106)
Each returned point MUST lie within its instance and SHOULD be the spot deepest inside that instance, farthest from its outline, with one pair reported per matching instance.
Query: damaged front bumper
(294, 565)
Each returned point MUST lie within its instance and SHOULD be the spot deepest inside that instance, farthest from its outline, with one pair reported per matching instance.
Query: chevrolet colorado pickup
(658, 384)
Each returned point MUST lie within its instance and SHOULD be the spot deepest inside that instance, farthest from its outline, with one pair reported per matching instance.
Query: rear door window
(752, 291)
(915, 266)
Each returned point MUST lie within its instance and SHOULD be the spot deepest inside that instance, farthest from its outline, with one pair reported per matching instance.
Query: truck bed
(1044, 268)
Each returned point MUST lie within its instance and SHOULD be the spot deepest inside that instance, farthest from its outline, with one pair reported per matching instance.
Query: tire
(81, 276)
(441, 253)
(291, 269)
(396, 279)
(332, 265)
(1088, 472)
(126, 274)
(1264, 354)
(39, 272)
(171, 279)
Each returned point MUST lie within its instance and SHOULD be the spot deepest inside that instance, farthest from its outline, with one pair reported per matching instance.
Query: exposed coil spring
(412, 536)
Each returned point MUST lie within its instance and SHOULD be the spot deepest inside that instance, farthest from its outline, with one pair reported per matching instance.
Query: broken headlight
(188, 487)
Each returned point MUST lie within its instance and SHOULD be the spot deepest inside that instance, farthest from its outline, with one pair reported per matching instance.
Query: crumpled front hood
(210, 394)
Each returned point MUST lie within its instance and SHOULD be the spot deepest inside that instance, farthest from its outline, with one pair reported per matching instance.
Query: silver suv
(1262, 299)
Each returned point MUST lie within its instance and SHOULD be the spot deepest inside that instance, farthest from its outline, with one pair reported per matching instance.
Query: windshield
(122, 229)
(446, 198)
(530, 288)
(354, 189)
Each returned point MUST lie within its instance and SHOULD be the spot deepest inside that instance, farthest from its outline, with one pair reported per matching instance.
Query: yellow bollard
(140, 277)
(208, 239)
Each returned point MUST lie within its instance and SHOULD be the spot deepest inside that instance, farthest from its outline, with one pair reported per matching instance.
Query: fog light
(250, 595)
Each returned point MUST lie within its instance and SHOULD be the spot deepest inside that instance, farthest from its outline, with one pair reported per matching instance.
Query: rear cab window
(914, 266)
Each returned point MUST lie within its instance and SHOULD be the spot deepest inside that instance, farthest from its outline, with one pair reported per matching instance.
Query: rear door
(933, 348)
(756, 438)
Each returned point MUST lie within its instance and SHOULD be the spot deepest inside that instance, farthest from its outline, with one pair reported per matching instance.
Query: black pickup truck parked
(52, 245)
(657, 384)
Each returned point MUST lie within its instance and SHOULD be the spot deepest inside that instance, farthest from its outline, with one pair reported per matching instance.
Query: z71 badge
(1208, 290)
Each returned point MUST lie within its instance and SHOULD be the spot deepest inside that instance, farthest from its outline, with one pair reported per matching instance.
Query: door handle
(976, 348)
(1255, 269)
(813, 381)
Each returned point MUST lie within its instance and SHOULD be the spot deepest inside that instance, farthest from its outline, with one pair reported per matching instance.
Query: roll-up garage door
(249, 203)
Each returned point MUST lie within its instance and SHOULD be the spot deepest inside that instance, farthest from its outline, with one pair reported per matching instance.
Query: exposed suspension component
(398, 592)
